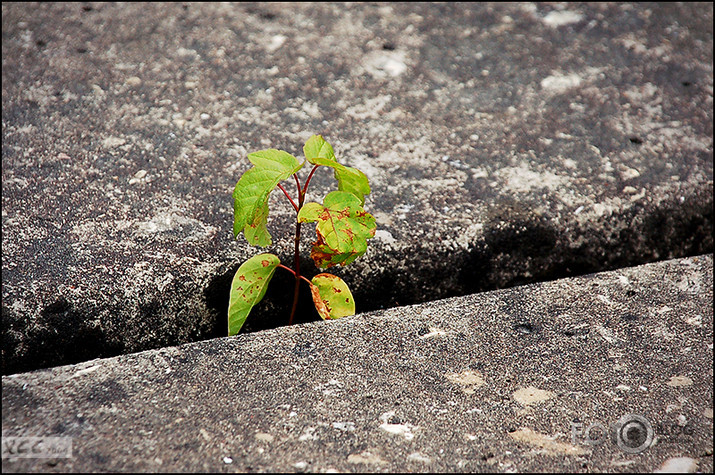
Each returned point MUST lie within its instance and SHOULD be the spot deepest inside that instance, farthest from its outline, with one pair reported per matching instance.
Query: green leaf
(318, 147)
(250, 205)
(332, 297)
(319, 152)
(349, 179)
(343, 228)
(248, 288)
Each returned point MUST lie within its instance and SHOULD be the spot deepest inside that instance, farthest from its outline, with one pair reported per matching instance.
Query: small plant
(343, 228)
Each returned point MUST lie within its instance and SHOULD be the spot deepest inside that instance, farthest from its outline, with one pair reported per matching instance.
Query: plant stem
(296, 256)
(293, 272)
(315, 167)
(288, 196)
(296, 259)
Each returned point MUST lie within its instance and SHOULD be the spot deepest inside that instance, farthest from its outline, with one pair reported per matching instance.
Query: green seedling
(342, 227)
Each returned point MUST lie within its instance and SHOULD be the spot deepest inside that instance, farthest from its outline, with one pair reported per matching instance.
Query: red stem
(296, 260)
(288, 196)
(297, 183)
(305, 189)
(296, 256)
(293, 272)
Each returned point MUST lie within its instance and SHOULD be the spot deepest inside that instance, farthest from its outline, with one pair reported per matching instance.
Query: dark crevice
(514, 252)
(273, 311)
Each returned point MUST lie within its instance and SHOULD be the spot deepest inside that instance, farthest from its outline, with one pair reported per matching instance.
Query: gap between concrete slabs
(506, 380)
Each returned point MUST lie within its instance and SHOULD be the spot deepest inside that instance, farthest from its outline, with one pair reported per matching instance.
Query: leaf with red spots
(331, 297)
(250, 196)
(319, 152)
(343, 228)
(248, 288)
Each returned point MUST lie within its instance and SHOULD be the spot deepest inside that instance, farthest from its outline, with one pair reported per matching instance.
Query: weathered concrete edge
(488, 381)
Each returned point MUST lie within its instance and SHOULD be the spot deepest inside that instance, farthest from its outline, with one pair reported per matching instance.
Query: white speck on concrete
(433, 332)
(678, 465)
(138, 177)
(366, 457)
(679, 381)
(556, 19)
(331, 388)
(372, 108)
(402, 210)
(385, 236)
(405, 430)
(276, 42)
(523, 178)
(468, 381)
(308, 434)
(418, 457)
(531, 395)
(264, 437)
(548, 444)
(606, 334)
(384, 64)
(169, 221)
(113, 142)
(91, 369)
(186, 52)
(628, 173)
(695, 320)
(344, 426)
(559, 83)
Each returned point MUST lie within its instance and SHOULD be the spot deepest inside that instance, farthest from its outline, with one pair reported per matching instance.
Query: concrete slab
(505, 144)
(498, 381)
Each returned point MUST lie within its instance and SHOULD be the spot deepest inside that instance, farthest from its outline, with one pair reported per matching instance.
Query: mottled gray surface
(486, 382)
(505, 143)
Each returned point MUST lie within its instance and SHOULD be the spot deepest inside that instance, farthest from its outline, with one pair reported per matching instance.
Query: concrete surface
(505, 144)
(495, 381)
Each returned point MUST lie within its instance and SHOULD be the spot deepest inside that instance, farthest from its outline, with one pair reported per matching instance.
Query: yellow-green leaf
(319, 152)
(343, 228)
(251, 193)
(332, 297)
(349, 179)
(248, 288)
(318, 147)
